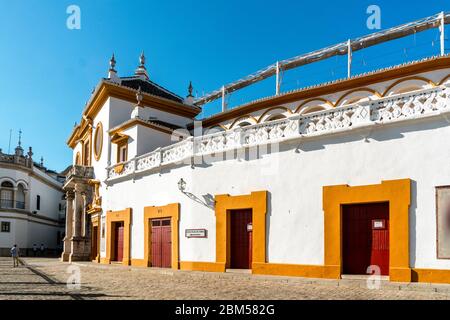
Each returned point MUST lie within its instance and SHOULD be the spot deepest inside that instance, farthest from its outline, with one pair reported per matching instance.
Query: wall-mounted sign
(196, 233)
(378, 224)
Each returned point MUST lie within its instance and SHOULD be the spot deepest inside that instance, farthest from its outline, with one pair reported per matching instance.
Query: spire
(19, 149)
(189, 98)
(141, 71)
(190, 89)
(112, 73)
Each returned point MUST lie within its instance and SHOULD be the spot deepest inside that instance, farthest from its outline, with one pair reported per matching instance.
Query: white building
(342, 178)
(32, 205)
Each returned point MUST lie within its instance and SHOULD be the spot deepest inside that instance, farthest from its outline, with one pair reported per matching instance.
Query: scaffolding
(344, 48)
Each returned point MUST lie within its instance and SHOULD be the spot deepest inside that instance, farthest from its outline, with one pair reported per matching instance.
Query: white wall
(295, 177)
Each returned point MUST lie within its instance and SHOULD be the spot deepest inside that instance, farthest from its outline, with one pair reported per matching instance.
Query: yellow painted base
(139, 263)
(430, 275)
(202, 266)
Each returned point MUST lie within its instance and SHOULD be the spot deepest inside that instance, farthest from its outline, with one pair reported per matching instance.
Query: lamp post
(182, 185)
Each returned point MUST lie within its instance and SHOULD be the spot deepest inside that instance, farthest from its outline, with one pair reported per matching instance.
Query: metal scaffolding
(344, 48)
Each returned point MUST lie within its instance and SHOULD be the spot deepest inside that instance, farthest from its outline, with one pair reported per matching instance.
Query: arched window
(6, 195)
(20, 197)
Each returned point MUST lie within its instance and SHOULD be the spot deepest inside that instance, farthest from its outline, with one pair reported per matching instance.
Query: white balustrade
(400, 107)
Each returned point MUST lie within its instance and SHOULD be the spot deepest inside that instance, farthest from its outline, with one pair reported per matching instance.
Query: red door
(161, 243)
(365, 237)
(119, 242)
(241, 239)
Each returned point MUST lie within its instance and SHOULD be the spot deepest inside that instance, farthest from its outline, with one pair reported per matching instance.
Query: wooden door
(161, 243)
(94, 246)
(365, 237)
(241, 239)
(119, 242)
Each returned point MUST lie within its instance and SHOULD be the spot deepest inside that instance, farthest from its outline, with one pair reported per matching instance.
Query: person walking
(15, 255)
(35, 249)
(42, 249)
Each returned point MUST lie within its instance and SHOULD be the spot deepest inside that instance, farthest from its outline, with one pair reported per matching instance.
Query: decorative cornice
(404, 70)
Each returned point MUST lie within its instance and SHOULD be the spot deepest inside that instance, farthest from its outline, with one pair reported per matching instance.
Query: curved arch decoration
(349, 93)
(416, 78)
(267, 114)
(444, 80)
(247, 118)
(312, 109)
(8, 179)
(323, 101)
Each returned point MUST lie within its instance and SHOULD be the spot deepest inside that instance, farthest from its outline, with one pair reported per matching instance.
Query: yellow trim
(169, 211)
(118, 216)
(202, 266)
(398, 194)
(257, 201)
(138, 263)
(119, 138)
(423, 79)
(245, 117)
(95, 223)
(261, 117)
(292, 270)
(328, 102)
(118, 168)
(431, 275)
(135, 122)
(345, 95)
(98, 130)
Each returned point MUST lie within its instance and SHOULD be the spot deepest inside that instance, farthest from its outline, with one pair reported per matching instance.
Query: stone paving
(41, 278)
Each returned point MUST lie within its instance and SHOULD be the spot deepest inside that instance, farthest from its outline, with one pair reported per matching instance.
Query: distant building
(32, 204)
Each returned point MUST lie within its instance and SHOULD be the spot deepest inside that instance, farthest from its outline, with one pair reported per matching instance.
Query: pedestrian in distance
(15, 255)
(35, 249)
(42, 249)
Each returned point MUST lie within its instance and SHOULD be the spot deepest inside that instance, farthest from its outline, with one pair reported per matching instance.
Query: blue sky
(48, 71)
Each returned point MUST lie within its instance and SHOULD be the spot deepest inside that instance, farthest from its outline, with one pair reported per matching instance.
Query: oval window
(98, 141)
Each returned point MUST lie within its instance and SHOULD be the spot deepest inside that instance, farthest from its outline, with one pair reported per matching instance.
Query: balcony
(409, 106)
(10, 204)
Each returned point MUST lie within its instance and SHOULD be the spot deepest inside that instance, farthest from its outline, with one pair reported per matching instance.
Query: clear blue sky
(47, 71)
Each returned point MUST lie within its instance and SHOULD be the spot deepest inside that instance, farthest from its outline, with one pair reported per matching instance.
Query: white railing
(412, 105)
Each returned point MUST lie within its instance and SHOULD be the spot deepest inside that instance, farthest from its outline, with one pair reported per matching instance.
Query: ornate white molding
(408, 106)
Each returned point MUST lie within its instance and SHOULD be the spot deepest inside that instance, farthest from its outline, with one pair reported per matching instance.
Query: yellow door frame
(398, 194)
(257, 201)
(171, 211)
(111, 218)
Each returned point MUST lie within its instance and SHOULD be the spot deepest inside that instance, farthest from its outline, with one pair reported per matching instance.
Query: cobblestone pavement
(43, 278)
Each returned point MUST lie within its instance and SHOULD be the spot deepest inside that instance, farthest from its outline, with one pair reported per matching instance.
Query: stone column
(69, 225)
(78, 211)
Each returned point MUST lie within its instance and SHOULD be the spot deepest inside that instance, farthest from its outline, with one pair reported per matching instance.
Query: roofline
(106, 89)
(430, 64)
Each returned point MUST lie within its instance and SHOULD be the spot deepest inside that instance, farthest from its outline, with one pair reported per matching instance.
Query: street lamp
(182, 185)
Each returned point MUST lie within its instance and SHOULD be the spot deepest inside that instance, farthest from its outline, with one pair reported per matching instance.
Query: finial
(142, 59)
(112, 63)
(20, 137)
(42, 161)
(30, 152)
(139, 96)
(190, 89)
(141, 71)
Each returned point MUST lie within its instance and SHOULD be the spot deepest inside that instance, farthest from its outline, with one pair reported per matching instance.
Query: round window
(98, 141)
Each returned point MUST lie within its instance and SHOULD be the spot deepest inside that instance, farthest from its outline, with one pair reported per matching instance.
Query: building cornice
(364, 80)
(31, 173)
(107, 90)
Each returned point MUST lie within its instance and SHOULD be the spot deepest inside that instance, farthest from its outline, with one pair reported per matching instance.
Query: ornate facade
(278, 185)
